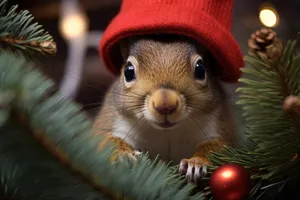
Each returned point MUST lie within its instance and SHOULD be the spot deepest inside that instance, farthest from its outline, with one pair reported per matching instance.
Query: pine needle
(20, 35)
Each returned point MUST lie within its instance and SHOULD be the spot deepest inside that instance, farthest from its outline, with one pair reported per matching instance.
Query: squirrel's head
(166, 80)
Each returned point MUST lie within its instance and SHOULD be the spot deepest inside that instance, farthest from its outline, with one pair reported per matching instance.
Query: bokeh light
(268, 17)
(73, 25)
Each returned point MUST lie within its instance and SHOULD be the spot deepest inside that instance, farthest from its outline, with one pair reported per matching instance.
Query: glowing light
(73, 25)
(227, 174)
(268, 17)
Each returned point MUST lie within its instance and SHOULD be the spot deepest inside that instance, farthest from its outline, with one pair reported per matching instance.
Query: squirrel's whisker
(106, 90)
(202, 131)
(113, 110)
(102, 103)
(137, 124)
(104, 122)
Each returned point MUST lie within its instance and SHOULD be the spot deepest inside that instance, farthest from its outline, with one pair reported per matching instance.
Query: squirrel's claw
(131, 155)
(193, 169)
(135, 155)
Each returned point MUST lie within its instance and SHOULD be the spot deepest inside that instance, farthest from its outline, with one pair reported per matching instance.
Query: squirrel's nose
(165, 101)
(165, 109)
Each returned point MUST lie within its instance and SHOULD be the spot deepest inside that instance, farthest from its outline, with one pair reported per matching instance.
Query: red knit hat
(206, 21)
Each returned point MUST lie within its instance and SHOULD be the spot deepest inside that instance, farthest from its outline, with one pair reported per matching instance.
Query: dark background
(100, 12)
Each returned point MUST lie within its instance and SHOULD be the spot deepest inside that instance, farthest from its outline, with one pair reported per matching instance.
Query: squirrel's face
(166, 83)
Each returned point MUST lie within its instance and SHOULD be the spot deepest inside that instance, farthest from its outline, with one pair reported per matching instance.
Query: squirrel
(167, 101)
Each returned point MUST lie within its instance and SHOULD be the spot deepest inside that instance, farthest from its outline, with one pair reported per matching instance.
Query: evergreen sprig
(29, 172)
(19, 33)
(273, 160)
(60, 129)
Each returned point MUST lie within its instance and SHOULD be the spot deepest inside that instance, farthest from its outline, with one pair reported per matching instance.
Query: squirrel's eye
(199, 70)
(129, 72)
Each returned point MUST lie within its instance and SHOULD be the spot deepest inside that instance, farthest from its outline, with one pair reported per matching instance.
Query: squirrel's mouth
(166, 124)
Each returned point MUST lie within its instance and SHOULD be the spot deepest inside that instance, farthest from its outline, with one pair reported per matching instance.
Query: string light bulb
(268, 16)
(73, 26)
(73, 23)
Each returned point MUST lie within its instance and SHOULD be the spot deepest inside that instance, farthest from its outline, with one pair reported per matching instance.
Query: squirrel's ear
(124, 48)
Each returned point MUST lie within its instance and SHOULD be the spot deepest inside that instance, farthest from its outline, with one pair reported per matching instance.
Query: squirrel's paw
(131, 155)
(194, 169)
(134, 155)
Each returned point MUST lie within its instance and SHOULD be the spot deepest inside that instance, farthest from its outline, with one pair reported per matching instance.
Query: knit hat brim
(198, 26)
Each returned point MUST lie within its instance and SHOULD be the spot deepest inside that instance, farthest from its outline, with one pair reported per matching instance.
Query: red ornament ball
(230, 182)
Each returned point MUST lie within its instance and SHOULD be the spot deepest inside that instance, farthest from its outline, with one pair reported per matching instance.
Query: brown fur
(167, 65)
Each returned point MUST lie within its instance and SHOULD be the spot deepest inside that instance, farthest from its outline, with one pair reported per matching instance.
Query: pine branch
(273, 161)
(60, 127)
(19, 34)
(30, 172)
(274, 132)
